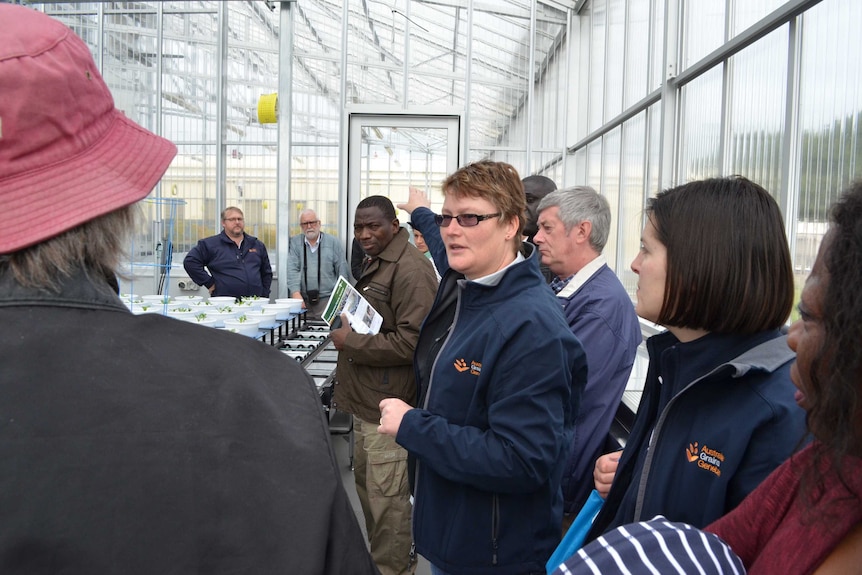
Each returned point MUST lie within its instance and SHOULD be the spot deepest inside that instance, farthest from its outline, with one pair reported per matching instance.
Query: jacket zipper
(653, 440)
(445, 335)
(495, 520)
(374, 289)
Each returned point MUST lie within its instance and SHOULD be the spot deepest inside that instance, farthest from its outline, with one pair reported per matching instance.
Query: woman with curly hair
(807, 516)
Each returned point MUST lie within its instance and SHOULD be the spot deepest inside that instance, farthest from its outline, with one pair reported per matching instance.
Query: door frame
(351, 149)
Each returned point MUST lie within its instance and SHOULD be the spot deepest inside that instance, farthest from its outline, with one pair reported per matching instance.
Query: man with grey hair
(314, 262)
(573, 228)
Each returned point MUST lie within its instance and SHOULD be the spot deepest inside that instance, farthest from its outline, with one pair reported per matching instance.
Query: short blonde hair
(497, 182)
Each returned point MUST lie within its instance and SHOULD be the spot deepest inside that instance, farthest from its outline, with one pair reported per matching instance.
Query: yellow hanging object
(267, 109)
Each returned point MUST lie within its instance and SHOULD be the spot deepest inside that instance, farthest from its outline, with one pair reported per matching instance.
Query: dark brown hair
(728, 262)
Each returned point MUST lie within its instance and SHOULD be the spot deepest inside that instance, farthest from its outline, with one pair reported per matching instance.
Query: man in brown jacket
(399, 282)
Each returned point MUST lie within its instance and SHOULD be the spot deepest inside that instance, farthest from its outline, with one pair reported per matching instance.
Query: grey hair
(307, 211)
(96, 247)
(578, 204)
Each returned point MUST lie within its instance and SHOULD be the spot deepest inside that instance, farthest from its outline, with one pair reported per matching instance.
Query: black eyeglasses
(464, 220)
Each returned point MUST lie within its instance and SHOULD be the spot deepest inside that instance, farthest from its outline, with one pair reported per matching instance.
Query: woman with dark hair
(806, 517)
(717, 413)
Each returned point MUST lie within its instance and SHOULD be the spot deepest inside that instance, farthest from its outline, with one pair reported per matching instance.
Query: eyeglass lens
(464, 220)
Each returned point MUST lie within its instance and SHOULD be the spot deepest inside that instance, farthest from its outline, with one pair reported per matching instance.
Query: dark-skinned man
(400, 283)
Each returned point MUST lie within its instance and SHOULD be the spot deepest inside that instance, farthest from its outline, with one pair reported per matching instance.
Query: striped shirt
(658, 547)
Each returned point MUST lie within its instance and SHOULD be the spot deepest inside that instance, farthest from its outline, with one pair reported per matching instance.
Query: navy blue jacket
(600, 313)
(236, 271)
(499, 392)
(717, 415)
(423, 220)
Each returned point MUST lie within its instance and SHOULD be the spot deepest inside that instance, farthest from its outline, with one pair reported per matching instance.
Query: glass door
(389, 153)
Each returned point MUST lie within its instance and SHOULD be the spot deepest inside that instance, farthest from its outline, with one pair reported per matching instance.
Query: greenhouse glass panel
(700, 127)
(192, 178)
(615, 59)
(654, 149)
(657, 72)
(758, 92)
(314, 185)
(703, 30)
(830, 111)
(637, 52)
(499, 81)
(189, 78)
(596, 54)
(744, 13)
(576, 168)
(610, 187)
(438, 54)
(594, 164)
(626, 221)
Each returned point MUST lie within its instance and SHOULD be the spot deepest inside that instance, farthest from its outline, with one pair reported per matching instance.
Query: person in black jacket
(133, 444)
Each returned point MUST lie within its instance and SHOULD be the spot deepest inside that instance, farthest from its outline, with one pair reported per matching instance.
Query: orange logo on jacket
(691, 452)
(475, 367)
(706, 458)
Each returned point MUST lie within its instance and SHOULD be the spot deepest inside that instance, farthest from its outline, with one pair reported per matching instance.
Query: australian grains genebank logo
(474, 367)
(706, 458)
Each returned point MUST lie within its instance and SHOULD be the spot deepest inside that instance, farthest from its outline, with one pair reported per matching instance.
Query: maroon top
(773, 531)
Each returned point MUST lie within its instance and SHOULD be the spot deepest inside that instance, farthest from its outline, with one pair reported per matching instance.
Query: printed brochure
(346, 300)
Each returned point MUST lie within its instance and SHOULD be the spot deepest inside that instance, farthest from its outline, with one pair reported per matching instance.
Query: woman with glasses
(500, 377)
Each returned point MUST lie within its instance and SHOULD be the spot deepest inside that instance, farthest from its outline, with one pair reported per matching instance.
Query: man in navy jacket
(237, 262)
(573, 228)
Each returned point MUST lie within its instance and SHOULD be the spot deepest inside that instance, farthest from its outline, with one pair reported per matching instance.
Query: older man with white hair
(314, 262)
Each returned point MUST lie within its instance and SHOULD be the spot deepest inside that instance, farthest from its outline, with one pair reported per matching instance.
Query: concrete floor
(340, 446)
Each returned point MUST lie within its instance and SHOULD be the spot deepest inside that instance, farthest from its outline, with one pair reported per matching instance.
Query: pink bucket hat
(66, 154)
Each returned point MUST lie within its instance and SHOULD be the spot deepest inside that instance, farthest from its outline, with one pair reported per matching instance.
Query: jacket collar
(518, 276)
(583, 275)
(392, 252)
(226, 238)
(768, 356)
(768, 352)
(80, 289)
